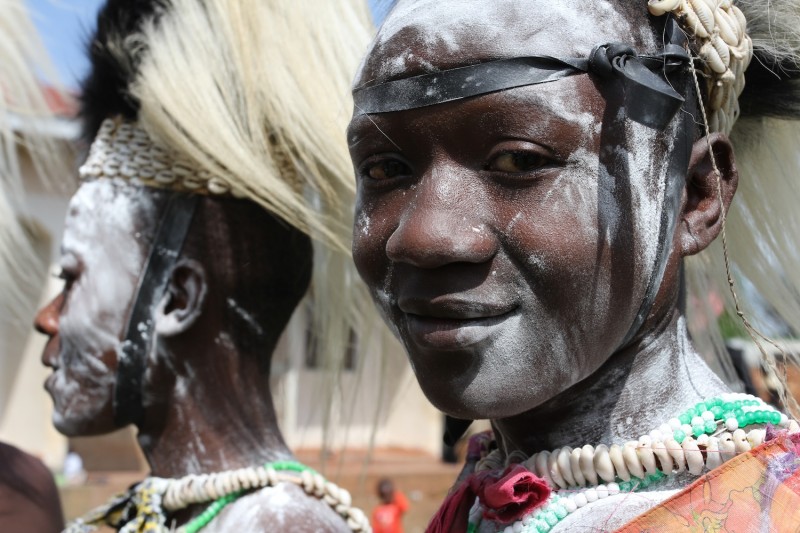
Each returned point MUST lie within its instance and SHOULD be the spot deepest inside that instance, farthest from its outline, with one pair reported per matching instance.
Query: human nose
(443, 223)
(46, 321)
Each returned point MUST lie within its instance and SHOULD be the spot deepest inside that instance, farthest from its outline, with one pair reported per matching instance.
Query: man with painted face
(531, 176)
(209, 181)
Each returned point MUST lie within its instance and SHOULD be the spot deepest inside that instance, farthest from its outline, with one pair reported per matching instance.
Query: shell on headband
(123, 150)
(724, 46)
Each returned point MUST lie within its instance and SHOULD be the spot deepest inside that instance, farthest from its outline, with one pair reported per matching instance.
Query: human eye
(384, 168)
(515, 159)
(514, 162)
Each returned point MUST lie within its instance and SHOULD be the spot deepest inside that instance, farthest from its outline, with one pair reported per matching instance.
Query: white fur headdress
(251, 98)
(23, 108)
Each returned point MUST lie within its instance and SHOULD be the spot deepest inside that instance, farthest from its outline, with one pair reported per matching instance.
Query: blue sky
(65, 26)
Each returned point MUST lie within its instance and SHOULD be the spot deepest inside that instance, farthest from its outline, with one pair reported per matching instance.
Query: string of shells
(122, 150)
(203, 488)
(725, 48)
(568, 468)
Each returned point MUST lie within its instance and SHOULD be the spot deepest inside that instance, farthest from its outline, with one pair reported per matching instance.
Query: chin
(86, 425)
(68, 427)
(468, 403)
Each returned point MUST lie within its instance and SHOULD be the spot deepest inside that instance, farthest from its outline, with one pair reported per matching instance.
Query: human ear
(701, 218)
(183, 299)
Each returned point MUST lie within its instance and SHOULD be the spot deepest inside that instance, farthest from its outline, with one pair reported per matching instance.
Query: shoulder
(23, 463)
(18, 466)
(285, 507)
(28, 494)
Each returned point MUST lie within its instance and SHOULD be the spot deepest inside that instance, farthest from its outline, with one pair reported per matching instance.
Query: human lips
(54, 384)
(50, 382)
(451, 323)
(50, 359)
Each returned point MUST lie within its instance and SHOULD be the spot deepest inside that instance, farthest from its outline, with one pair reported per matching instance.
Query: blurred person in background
(387, 517)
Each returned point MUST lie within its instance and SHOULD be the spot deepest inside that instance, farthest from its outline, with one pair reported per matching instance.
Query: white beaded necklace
(594, 473)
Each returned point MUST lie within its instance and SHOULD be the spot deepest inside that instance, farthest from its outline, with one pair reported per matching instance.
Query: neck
(636, 390)
(218, 416)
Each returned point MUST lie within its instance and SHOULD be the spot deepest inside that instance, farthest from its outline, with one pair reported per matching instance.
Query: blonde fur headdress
(23, 110)
(253, 96)
(256, 92)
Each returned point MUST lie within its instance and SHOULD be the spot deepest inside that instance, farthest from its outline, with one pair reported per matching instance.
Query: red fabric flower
(507, 496)
(518, 492)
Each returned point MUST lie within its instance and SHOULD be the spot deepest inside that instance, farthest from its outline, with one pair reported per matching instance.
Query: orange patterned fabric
(753, 492)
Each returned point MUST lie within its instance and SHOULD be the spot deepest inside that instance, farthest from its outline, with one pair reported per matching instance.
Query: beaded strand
(717, 423)
(210, 513)
(226, 487)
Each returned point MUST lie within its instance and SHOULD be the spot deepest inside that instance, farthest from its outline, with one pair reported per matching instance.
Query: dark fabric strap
(673, 190)
(462, 82)
(165, 251)
(649, 99)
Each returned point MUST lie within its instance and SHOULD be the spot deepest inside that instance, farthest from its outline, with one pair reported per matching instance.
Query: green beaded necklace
(731, 411)
(219, 504)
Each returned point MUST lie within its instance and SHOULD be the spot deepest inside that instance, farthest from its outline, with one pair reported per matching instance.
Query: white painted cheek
(81, 390)
(538, 262)
(99, 231)
(385, 301)
(101, 296)
(362, 225)
(647, 181)
(574, 195)
(526, 364)
(579, 198)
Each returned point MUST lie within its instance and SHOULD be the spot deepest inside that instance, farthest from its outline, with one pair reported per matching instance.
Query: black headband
(649, 99)
(167, 245)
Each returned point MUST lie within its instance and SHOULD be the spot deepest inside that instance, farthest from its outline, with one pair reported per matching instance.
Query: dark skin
(200, 374)
(509, 237)
(28, 495)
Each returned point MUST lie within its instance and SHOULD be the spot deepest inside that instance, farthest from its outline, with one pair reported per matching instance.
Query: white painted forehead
(101, 197)
(509, 28)
(109, 203)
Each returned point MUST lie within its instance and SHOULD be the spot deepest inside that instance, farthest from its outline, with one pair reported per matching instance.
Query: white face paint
(571, 246)
(424, 35)
(101, 259)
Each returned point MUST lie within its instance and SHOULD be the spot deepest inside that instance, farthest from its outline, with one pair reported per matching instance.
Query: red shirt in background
(388, 517)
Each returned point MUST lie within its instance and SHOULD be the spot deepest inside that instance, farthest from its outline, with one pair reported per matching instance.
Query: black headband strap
(167, 245)
(463, 82)
(649, 99)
